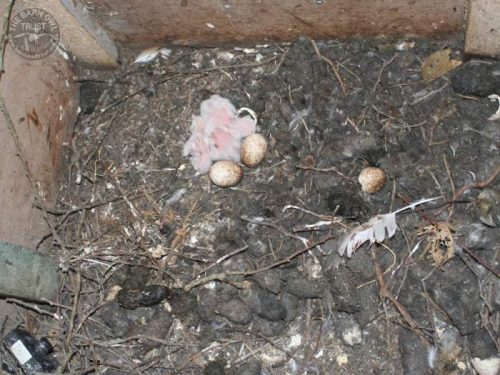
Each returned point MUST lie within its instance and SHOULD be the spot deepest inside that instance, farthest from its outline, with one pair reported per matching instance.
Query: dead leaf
(438, 64)
(440, 245)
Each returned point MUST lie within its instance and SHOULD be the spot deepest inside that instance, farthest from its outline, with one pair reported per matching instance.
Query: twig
(74, 312)
(280, 229)
(326, 220)
(329, 62)
(384, 66)
(476, 185)
(463, 189)
(33, 307)
(123, 99)
(385, 293)
(289, 354)
(169, 77)
(236, 66)
(206, 349)
(280, 63)
(225, 275)
(448, 172)
(480, 260)
(119, 341)
(69, 333)
(394, 259)
(222, 259)
(3, 38)
(317, 226)
(330, 218)
(326, 170)
(87, 316)
(429, 94)
(100, 142)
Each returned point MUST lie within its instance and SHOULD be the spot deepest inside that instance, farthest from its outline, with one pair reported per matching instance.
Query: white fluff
(432, 357)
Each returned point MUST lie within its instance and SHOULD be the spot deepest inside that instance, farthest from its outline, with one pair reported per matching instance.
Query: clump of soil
(249, 278)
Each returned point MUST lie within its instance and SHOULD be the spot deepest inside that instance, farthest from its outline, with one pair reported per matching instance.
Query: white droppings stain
(352, 336)
(295, 341)
(342, 360)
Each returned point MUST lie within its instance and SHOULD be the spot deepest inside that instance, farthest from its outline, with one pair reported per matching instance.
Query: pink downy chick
(217, 133)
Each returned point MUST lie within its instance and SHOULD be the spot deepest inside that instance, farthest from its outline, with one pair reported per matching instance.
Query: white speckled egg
(253, 150)
(225, 173)
(372, 179)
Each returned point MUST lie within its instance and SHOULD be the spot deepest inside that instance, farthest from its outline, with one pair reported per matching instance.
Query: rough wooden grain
(212, 22)
(42, 100)
(79, 36)
(483, 28)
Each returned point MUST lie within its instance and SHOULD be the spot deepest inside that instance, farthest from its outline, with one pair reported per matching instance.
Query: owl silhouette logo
(33, 33)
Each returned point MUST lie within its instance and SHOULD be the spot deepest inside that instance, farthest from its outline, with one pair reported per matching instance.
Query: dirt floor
(168, 274)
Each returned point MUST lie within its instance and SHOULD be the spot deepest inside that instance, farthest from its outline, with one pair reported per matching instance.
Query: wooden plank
(483, 28)
(42, 100)
(78, 35)
(212, 22)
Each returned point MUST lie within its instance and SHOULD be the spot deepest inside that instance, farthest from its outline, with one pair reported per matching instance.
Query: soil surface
(166, 273)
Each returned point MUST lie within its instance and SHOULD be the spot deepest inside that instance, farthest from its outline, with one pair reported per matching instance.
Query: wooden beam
(483, 28)
(208, 22)
(79, 35)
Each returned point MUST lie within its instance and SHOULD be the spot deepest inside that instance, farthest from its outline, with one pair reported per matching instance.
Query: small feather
(150, 54)
(377, 229)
